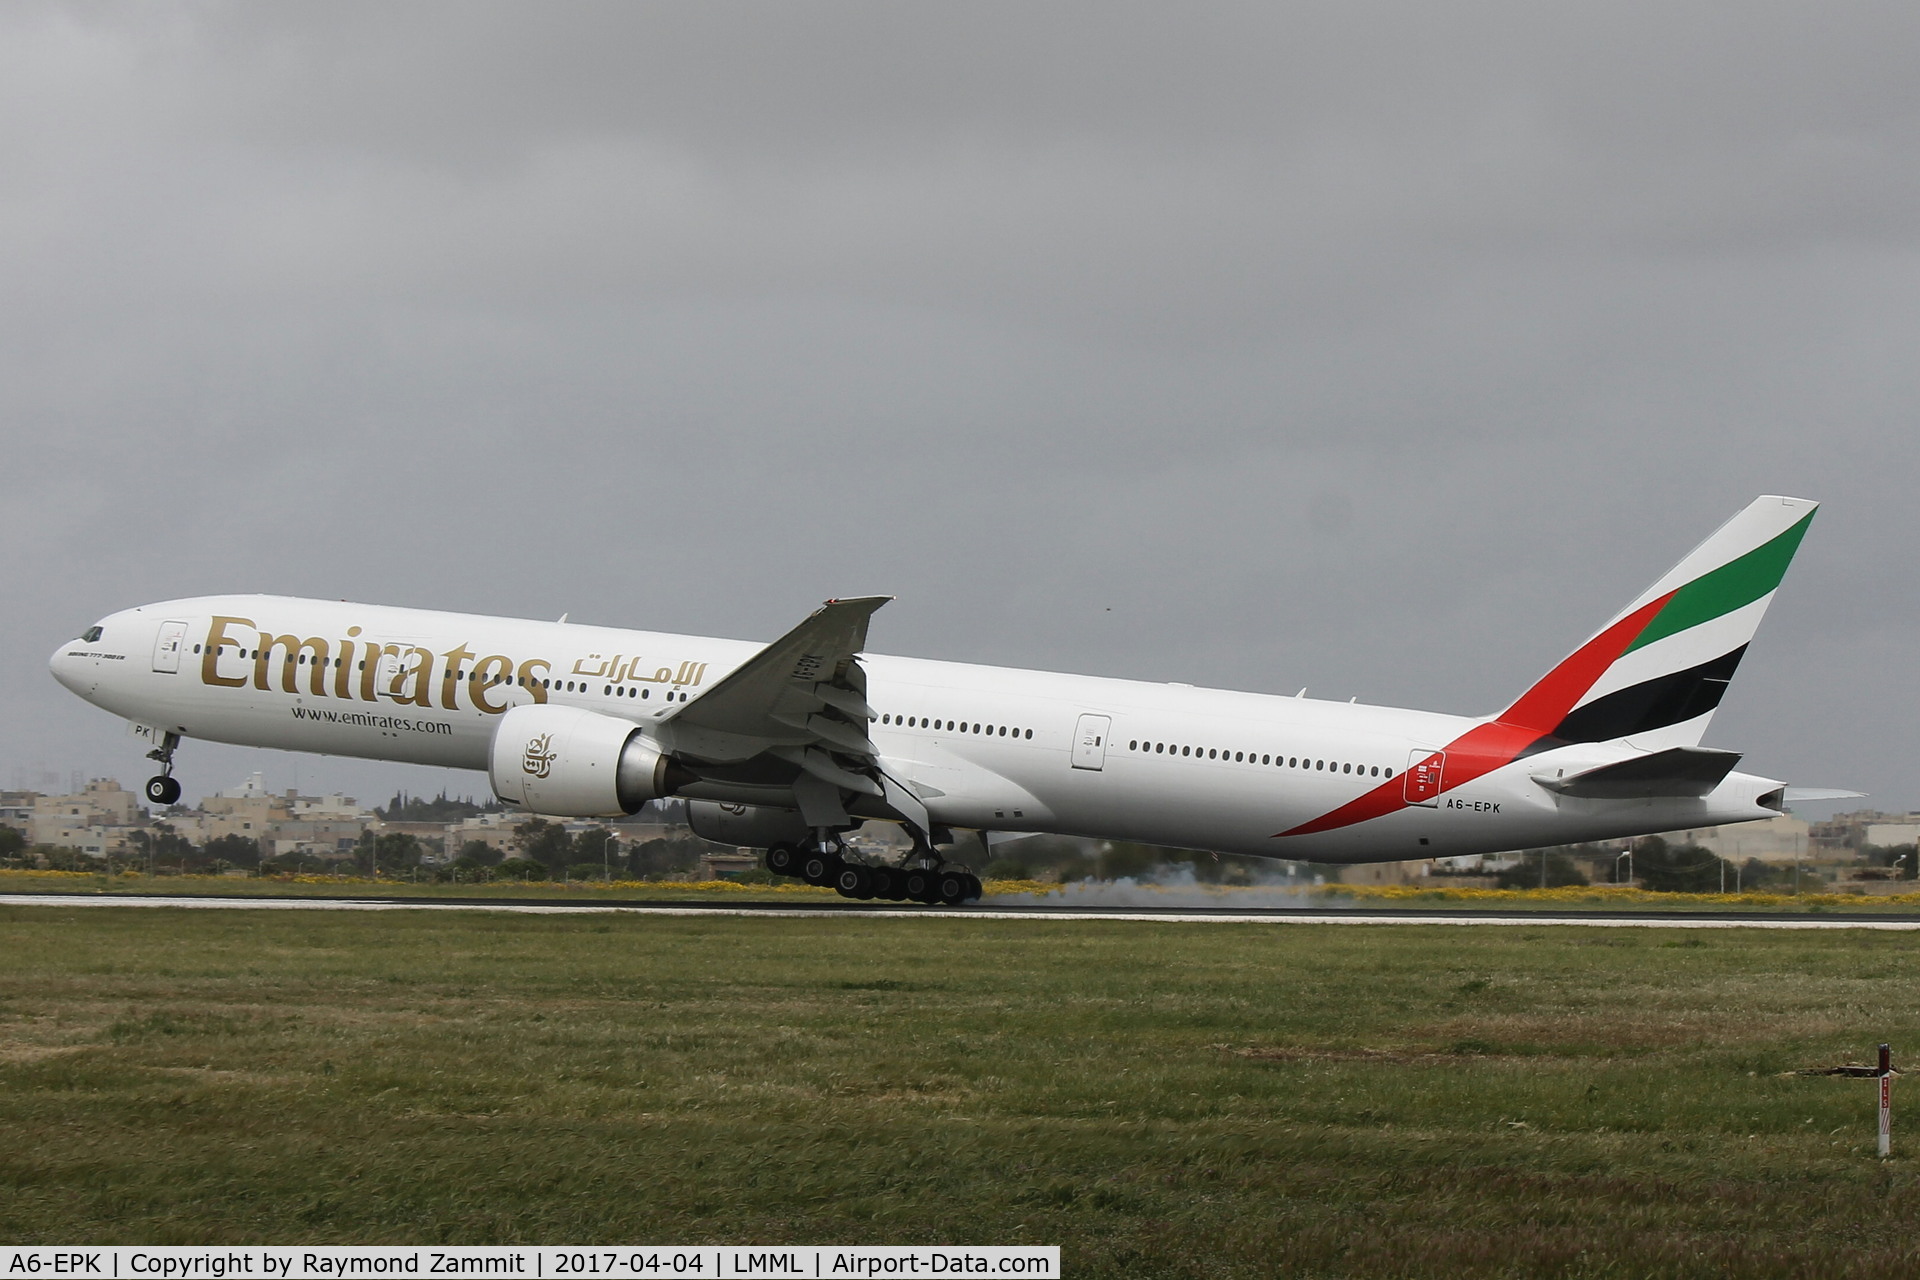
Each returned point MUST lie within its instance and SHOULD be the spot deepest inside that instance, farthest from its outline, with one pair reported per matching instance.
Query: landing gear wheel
(819, 868)
(953, 887)
(161, 788)
(783, 860)
(922, 886)
(974, 888)
(854, 881)
(889, 884)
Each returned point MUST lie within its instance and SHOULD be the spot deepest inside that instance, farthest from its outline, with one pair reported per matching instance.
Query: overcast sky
(1382, 348)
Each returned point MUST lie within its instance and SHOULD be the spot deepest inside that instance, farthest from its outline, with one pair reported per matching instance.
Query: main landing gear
(920, 877)
(163, 788)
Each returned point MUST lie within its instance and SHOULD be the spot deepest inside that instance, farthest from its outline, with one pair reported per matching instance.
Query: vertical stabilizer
(1656, 672)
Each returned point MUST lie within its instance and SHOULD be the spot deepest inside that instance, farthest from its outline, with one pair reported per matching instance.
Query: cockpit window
(91, 634)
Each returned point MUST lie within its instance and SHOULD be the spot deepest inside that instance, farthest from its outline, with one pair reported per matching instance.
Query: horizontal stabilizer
(1806, 795)
(1677, 771)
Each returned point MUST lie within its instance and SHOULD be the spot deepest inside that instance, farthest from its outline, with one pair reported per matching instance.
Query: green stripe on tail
(1733, 585)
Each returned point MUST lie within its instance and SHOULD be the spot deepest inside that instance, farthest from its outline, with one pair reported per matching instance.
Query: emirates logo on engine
(539, 756)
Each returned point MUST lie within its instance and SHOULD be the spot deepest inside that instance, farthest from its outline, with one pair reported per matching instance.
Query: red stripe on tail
(1486, 747)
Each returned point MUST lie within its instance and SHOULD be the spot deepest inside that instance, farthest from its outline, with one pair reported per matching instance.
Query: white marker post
(1886, 1101)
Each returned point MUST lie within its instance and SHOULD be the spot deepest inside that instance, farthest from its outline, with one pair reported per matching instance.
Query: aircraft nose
(62, 667)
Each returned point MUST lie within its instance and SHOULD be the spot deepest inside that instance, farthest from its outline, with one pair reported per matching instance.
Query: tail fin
(1657, 671)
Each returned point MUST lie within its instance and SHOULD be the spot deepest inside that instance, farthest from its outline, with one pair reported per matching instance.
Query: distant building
(243, 813)
(1781, 839)
(723, 864)
(16, 808)
(284, 822)
(495, 830)
(97, 819)
(1848, 831)
(316, 837)
(317, 808)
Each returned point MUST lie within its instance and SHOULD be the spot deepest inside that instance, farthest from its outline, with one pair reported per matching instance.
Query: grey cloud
(1382, 348)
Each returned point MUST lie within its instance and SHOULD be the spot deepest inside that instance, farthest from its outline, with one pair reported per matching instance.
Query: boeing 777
(789, 746)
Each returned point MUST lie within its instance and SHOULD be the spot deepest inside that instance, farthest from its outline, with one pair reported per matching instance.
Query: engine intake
(576, 764)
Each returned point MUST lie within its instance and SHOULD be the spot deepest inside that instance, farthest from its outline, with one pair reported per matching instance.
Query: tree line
(538, 850)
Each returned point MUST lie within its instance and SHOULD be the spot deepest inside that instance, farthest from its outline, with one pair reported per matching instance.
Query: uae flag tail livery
(1622, 716)
(791, 745)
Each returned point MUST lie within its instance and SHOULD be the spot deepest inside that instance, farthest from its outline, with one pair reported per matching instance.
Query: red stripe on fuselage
(1486, 747)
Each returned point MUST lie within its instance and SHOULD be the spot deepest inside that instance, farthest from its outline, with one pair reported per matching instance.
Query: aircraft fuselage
(989, 748)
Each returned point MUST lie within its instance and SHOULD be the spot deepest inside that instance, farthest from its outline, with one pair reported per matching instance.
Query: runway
(1890, 921)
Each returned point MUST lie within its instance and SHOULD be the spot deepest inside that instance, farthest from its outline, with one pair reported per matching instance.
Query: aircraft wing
(801, 699)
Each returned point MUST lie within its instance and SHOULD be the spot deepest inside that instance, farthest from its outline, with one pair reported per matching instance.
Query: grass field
(1369, 897)
(1160, 1099)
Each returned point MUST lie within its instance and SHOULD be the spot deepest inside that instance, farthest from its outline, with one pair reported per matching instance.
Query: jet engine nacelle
(746, 824)
(574, 763)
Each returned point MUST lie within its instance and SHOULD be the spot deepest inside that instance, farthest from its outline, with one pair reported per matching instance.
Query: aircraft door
(388, 670)
(1423, 776)
(167, 645)
(1090, 742)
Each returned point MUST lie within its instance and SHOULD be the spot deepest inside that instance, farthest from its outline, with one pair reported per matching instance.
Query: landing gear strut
(163, 788)
(924, 876)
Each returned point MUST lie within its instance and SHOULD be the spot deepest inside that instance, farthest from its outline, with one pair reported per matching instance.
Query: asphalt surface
(1900, 921)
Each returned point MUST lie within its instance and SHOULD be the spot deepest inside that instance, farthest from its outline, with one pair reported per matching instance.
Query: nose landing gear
(163, 788)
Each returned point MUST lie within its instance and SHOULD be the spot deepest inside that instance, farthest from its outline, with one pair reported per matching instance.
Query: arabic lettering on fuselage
(367, 670)
(620, 669)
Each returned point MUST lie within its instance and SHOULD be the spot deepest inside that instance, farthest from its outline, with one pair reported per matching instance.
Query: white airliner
(789, 745)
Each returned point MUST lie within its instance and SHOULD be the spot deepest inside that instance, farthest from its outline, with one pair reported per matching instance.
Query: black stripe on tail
(1655, 704)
